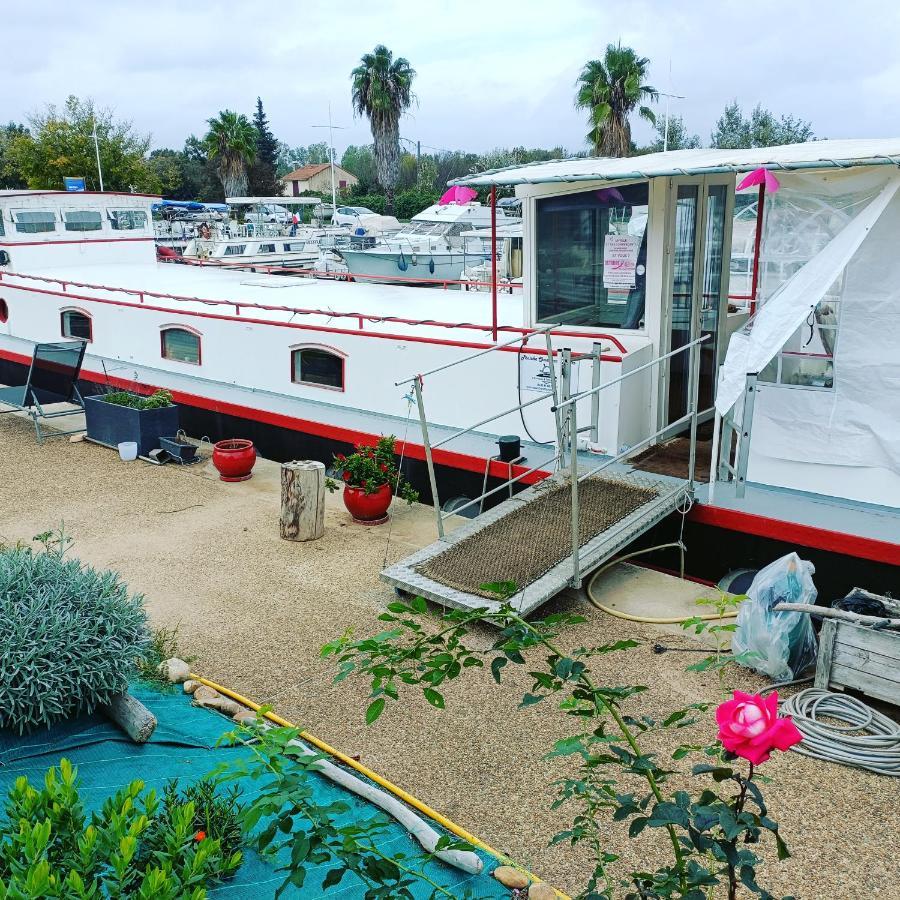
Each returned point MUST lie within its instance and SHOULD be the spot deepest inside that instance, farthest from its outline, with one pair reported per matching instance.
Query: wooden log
(826, 612)
(131, 716)
(302, 500)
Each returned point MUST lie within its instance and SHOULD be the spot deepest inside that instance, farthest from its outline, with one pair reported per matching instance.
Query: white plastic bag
(782, 644)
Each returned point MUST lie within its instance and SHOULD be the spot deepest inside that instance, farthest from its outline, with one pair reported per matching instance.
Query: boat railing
(565, 409)
(241, 306)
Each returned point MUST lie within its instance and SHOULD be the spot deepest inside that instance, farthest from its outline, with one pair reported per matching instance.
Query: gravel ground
(254, 611)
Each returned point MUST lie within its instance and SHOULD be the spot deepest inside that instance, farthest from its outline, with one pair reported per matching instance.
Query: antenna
(331, 128)
(97, 152)
(668, 96)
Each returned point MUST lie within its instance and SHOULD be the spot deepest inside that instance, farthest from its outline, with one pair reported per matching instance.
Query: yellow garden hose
(373, 776)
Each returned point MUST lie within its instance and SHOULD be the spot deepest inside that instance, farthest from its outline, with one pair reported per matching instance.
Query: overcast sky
(490, 74)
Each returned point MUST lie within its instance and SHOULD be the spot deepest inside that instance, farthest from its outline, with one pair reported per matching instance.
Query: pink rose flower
(749, 726)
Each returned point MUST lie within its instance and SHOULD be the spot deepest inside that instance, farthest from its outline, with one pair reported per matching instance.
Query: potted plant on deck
(123, 416)
(370, 478)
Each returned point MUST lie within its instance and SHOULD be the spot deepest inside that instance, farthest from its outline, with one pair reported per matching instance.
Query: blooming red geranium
(370, 468)
(750, 727)
(200, 836)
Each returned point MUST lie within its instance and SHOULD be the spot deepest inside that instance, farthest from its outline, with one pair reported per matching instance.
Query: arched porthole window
(180, 345)
(75, 323)
(318, 366)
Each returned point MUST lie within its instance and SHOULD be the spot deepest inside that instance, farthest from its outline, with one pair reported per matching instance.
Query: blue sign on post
(74, 184)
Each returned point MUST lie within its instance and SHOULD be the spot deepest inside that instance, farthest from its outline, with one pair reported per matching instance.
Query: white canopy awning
(785, 311)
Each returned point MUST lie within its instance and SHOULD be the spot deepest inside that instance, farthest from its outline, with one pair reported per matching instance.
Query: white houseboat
(625, 261)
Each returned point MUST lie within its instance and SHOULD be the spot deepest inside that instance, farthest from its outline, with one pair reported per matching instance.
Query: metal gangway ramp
(549, 536)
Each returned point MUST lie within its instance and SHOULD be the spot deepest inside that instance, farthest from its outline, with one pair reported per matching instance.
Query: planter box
(110, 424)
(182, 450)
(860, 658)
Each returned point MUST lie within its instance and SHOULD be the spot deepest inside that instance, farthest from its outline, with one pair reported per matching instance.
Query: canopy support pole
(760, 206)
(494, 264)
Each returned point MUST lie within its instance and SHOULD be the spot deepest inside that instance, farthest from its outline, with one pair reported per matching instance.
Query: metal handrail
(500, 487)
(463, 359)
(499, 415)
(595, 390)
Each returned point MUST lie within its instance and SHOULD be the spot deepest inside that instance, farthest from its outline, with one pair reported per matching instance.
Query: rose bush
(750, 727)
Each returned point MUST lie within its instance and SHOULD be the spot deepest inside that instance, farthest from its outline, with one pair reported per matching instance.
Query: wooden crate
(861, 658)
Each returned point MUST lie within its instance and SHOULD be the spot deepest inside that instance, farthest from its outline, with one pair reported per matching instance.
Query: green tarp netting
(184, 747)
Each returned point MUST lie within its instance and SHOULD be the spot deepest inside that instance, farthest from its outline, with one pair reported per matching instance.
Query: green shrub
(70, 636)
(216, 811)
(133, 847)
(134, 401)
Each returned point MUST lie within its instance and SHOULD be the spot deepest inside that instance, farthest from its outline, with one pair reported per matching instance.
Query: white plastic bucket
(128, 450)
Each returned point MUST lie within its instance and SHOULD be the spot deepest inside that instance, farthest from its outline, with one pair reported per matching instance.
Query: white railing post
(420, 403)
(573, 478)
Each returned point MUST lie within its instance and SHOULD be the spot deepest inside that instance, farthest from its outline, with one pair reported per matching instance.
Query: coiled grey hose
(878, 750)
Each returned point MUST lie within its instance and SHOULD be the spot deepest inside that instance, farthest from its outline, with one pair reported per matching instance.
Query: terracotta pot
(368, 509)
(234, 459)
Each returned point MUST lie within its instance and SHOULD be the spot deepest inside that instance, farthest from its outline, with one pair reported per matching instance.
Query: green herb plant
(156, 400)
(368, 468)
(711, 837)
(217, 812)
(70, 635)
(134, 847)
(287, 822)
(163, 645)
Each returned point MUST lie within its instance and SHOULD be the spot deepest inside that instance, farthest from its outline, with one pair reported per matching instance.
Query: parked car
(269, 213)
(349, 216)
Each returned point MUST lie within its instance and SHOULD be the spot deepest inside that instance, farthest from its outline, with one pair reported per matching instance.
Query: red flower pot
(368, 509)
(234, 459)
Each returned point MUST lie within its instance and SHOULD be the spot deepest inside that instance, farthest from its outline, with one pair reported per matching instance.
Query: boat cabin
(779, 257)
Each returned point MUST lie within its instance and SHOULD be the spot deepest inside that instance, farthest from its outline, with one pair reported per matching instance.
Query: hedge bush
(69, 640)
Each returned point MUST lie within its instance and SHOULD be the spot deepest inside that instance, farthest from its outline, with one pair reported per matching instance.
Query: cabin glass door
(699, 244)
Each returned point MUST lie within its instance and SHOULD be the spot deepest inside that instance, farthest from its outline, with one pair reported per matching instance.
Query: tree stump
(302, 500)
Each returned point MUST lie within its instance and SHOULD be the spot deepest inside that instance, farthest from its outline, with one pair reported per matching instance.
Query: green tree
(263, 172)
(679, 137)
(231, 143)
(10, 176)
(761, 129)
(426, 179)
(60, 142)
(382, 91)
(360, 161)
(610, 89)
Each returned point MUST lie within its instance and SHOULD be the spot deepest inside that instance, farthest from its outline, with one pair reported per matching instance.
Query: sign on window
(620, 253)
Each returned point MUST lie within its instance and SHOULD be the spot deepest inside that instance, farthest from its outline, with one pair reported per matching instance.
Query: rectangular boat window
(34, 221)
(75, 324)
(127, 219)
(82, 220)
(266, 248)
(235, 250)
(310, 365)
(2, 229)
(592, 257)
(180, 345)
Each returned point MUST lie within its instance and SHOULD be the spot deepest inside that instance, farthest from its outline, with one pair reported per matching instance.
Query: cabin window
(313, 365)
(592, 257)
(296, 247)
(2, 229)
(235, 250)
(180, 345)
(127, 219)
(76, 324)
(34, 221)
(266, 248)
(82, 220)
(4, 311)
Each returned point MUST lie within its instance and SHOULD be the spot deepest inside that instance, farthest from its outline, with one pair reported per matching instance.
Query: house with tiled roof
(317, 179)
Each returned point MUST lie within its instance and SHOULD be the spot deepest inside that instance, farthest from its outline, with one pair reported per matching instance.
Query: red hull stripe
(307, 426)
(733, 520)
(795, 533)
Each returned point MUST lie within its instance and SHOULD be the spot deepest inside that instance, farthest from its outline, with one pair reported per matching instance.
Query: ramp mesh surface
(527, 542)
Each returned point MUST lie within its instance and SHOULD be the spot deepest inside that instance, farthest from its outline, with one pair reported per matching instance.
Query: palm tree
(610, 89)
(231, 140)
(382, 90)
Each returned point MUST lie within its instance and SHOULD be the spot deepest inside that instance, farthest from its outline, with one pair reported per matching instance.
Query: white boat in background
(431, 248)
(509, 259)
